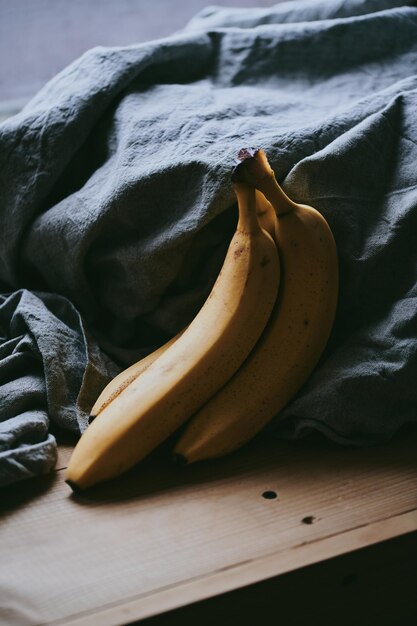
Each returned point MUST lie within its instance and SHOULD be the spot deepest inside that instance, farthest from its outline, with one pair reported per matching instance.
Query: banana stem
(276, 195)
(253, 169)
(246, 200)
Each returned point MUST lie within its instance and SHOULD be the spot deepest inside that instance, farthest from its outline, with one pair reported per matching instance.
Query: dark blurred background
(38, 38)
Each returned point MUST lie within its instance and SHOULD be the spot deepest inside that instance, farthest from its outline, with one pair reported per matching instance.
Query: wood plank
(374, 586)
(159, 530)
(247, 573)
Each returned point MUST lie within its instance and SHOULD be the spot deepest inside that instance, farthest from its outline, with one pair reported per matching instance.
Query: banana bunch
(148, 402)
(251, 347)
(296, 333)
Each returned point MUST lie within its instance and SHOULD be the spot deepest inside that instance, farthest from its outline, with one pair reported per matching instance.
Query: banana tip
(246, 166)
(73, 485)
(246, 153)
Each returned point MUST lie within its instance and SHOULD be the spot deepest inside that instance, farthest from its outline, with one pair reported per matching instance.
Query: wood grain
(162, 536)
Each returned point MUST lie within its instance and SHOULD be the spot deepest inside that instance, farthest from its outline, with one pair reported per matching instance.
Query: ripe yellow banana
(195, 366)
(294, 338)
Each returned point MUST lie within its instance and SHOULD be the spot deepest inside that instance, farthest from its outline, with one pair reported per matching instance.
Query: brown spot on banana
(238, 252)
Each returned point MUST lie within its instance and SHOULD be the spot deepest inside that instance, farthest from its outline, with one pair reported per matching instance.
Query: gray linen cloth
(116, 209)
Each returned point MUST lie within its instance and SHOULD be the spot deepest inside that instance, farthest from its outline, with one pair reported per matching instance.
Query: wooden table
(230, 540)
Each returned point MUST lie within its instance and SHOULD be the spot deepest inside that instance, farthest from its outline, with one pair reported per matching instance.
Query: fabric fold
(50, 372)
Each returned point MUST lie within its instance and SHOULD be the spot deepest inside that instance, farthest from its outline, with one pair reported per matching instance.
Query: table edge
(246, 573)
